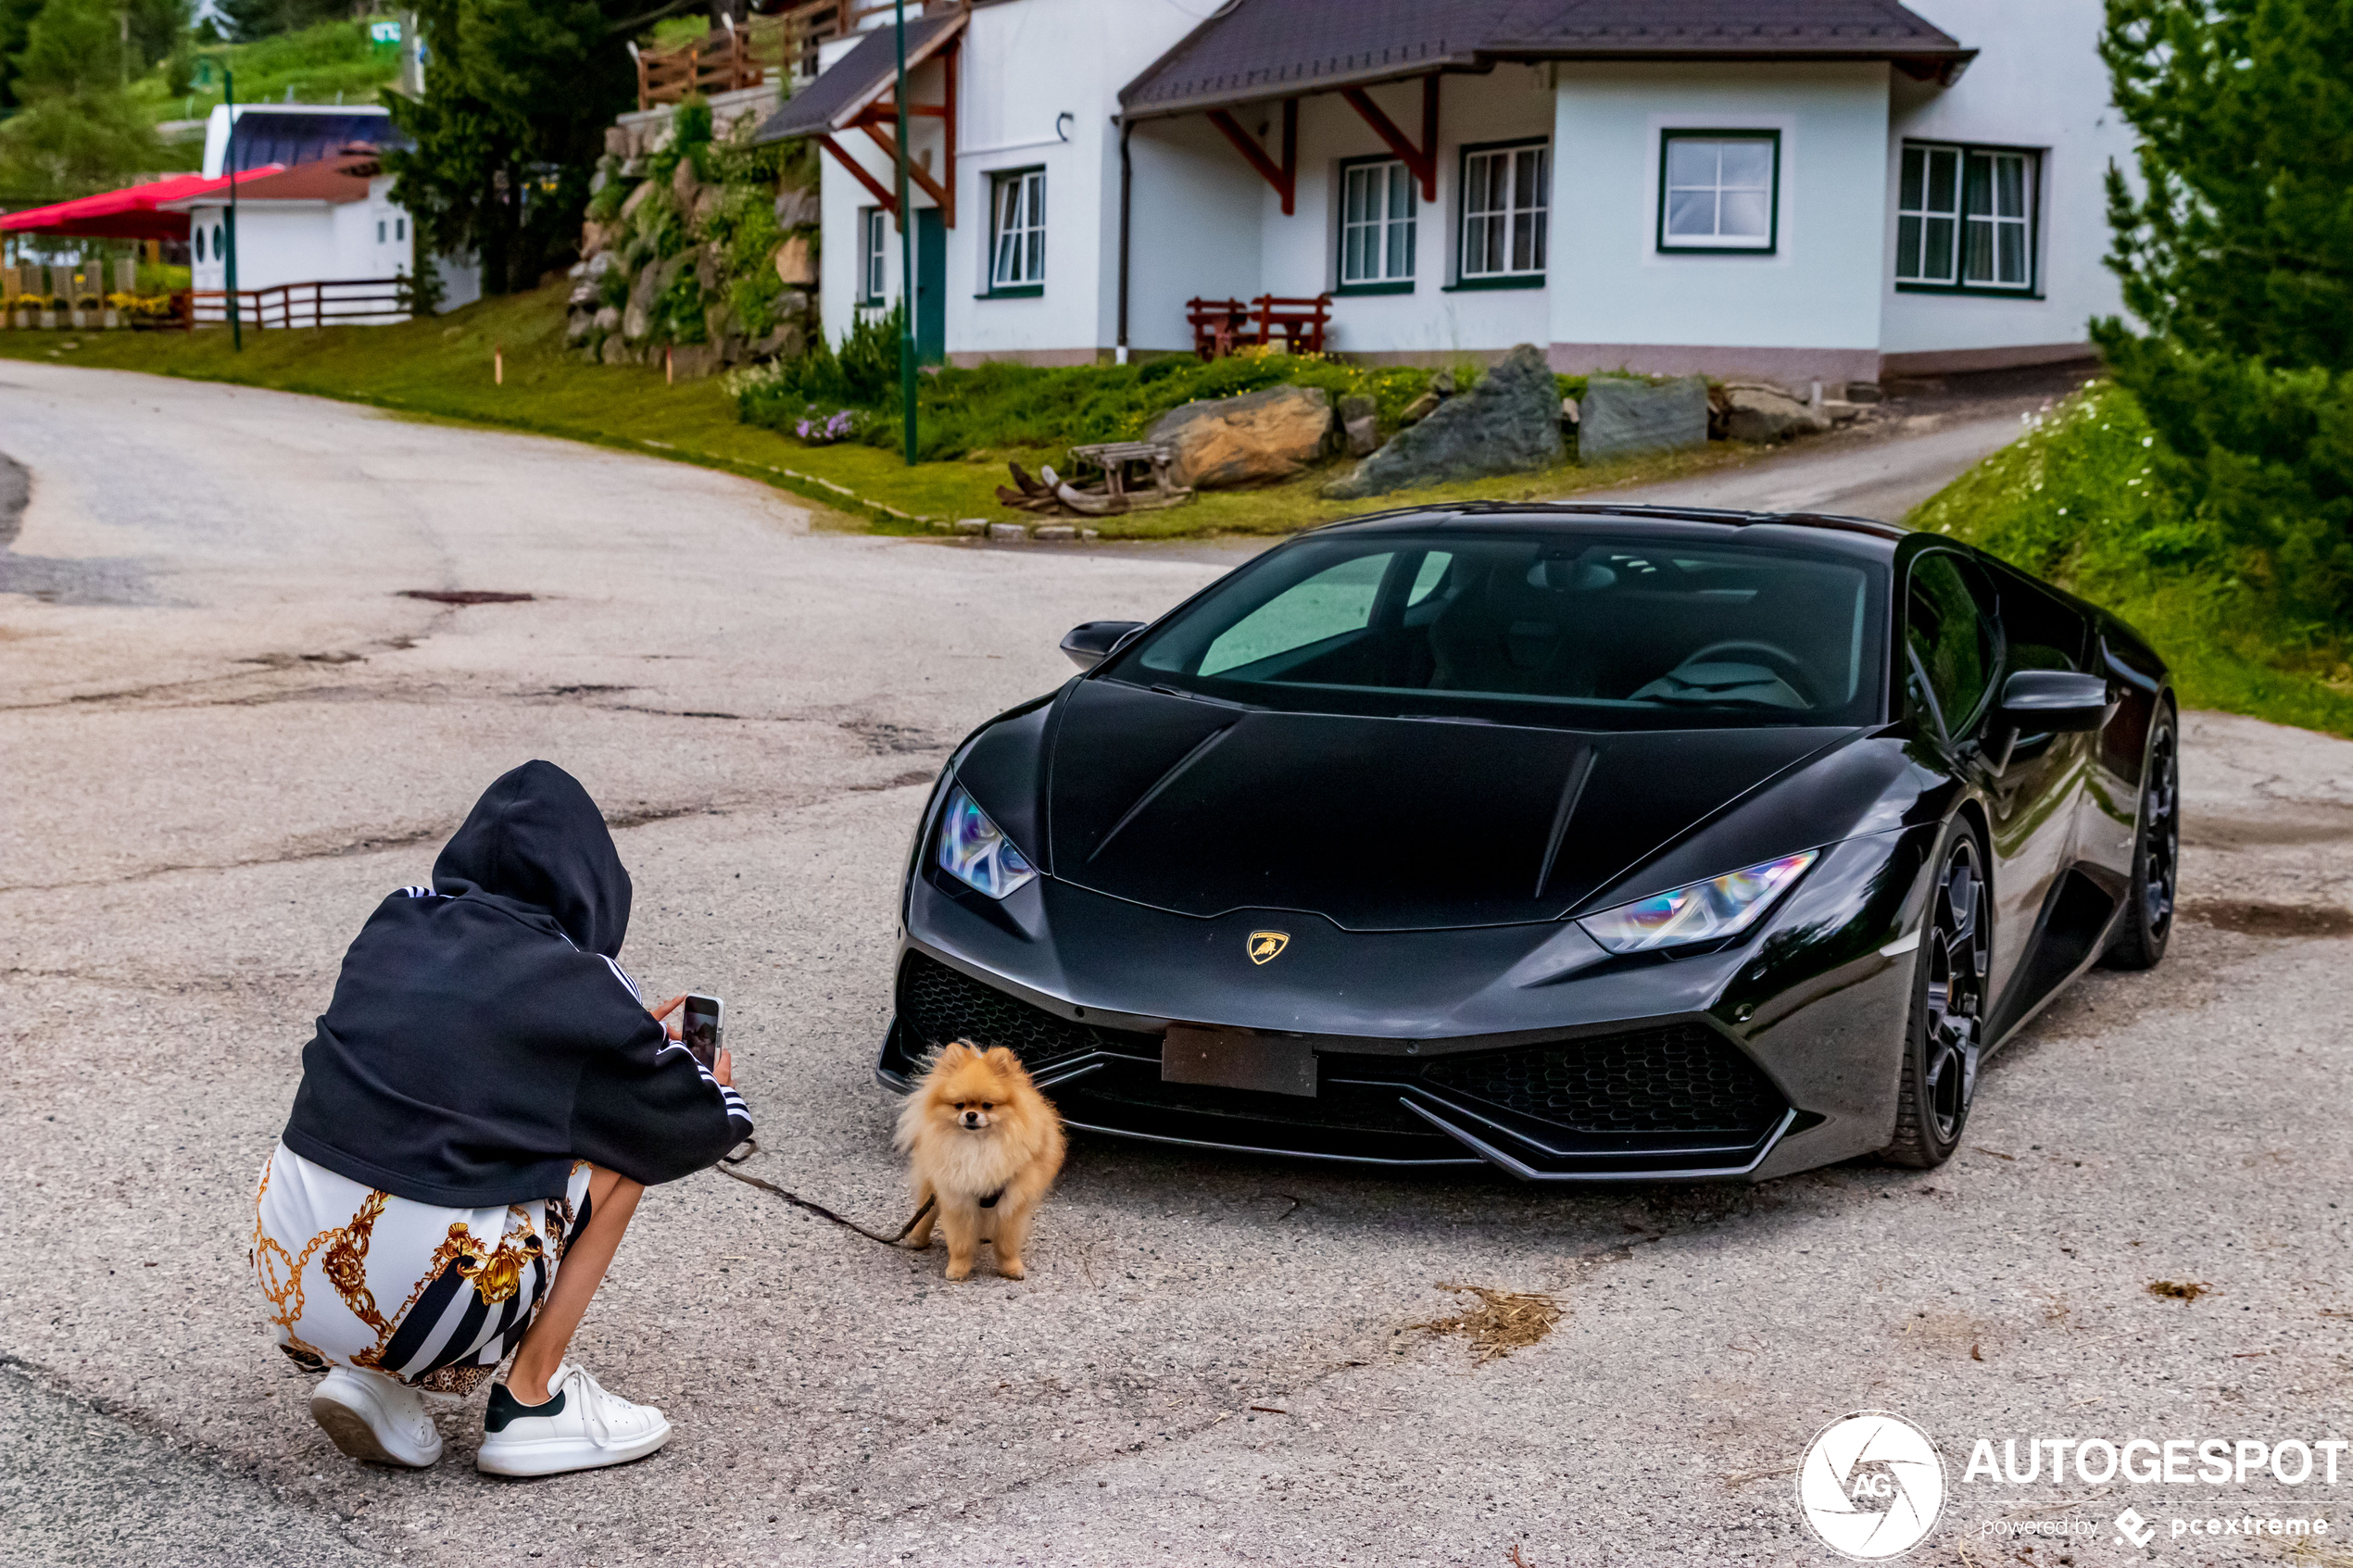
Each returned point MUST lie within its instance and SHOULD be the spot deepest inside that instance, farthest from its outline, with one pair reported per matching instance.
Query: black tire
(1943, 1044)
(2140, 941)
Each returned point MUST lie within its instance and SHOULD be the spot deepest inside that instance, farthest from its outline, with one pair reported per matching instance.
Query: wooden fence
(341, 303)
(778, 48)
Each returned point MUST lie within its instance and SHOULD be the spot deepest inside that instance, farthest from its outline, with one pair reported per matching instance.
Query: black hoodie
(482, 1036)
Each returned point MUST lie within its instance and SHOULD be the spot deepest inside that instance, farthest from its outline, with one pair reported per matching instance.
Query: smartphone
(700, 1029)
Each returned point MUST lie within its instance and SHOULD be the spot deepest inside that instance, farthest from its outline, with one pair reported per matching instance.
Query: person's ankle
(526, 1389)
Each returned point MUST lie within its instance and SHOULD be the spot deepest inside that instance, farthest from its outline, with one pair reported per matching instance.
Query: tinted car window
(1333, 603)
(1579, 627)
(2039, 632)
(1949, 627)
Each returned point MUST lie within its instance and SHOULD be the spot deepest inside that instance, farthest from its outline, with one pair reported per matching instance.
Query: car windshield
(1588, 628)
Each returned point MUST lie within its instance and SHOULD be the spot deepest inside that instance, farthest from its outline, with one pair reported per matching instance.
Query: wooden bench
(1220, 326)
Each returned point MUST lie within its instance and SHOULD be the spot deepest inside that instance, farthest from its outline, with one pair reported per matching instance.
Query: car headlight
(1722, 906)
(975, 852)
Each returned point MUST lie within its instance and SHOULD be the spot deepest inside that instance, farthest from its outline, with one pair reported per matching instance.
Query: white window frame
(1938, 241)
(1380, 226)
(1016, 229)
(873, 256)
(1669, 241)
(1525, 211)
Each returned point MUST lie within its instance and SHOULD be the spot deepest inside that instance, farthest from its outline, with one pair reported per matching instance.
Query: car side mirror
(1091, 642)
(2054, 702)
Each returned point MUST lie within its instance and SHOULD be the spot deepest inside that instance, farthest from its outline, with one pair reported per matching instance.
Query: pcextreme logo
(1871, 1486)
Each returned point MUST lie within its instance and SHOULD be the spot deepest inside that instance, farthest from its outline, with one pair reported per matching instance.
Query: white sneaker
(579, 1427)
(373, 1416)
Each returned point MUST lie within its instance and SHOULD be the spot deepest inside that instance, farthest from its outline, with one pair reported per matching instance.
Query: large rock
(1359, 425)
(796, 267)
(1508, 424)
(788, 341)
(652, 282)
(1246, 440)
(795, 208)
(1759, 412)
(1623, 417)
(636, 199)
(692, 361)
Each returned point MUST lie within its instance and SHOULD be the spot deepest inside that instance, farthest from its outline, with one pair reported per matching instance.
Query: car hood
(1377, 823)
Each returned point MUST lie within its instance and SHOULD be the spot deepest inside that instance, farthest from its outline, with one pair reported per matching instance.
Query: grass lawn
(443, 368)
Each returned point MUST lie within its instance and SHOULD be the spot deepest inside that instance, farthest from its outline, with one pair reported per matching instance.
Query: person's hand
(725, 1071)
(663, 1013)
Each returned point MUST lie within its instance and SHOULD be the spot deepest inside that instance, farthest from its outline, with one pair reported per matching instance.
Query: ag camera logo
(1871, 1486)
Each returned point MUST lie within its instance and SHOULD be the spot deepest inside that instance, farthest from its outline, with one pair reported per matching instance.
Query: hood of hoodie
(536, 839)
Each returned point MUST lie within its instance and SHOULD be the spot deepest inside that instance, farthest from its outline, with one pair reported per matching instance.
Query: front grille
(1685, 1078)
(1356, 1107)
(938, 1005)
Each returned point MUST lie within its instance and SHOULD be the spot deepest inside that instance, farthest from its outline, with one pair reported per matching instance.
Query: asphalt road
(224, 736)
(1882, 472)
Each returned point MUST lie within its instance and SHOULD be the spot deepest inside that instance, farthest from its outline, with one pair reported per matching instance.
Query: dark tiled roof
(1267, 48)
(262, 136)
(857, 78)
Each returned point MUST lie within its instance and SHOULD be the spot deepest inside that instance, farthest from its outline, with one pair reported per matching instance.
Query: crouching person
(483, 1102)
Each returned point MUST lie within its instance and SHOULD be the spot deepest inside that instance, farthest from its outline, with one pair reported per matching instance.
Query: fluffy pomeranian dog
(985, 1145)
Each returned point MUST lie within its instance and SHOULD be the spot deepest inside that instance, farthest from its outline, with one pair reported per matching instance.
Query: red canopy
(127, 214)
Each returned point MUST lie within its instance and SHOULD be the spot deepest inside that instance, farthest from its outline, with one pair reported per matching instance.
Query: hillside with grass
(329, 63)
(2078, 501)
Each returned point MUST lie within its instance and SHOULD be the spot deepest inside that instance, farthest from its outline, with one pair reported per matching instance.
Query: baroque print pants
(435, 1297)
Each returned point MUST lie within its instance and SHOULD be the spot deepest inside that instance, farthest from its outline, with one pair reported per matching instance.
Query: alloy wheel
(1956, 966)
(2161, 837)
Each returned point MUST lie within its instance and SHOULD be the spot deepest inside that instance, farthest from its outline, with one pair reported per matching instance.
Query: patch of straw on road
(1502, 1321)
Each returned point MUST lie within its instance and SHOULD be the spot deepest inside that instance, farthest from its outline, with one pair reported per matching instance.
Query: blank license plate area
(1232, 1059)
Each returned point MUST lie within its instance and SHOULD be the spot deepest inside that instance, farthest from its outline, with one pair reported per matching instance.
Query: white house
(328, 221)
(1798, 189)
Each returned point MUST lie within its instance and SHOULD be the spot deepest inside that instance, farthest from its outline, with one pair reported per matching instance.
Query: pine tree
(16, 29)
(517, 97)
(78, 131)
(2236, 256)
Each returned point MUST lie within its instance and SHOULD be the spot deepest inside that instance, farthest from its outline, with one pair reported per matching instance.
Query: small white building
(1796, 189)
(329, 221)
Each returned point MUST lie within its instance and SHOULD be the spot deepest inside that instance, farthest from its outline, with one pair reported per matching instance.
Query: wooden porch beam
(881, 193)
(945, 198)
(950, 58)
(1422, 161)
(885, 112)
(1284, 177)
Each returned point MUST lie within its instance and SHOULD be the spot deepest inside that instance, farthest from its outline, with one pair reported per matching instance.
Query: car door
(1956, 655)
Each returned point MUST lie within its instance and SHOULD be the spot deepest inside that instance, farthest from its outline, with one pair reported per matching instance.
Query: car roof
(1490, 514)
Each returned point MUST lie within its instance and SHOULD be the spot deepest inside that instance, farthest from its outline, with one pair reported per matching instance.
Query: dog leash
(751, 1147)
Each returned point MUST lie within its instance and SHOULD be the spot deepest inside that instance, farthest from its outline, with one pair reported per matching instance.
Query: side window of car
(1950, 638)
(2039, 632)
(1333, 602)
